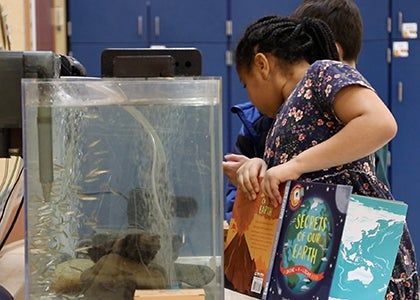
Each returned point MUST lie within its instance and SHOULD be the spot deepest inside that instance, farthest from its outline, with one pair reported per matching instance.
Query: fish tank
(123, 186)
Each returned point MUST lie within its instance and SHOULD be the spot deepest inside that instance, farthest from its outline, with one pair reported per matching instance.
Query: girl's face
(264, 85)
(269, 82)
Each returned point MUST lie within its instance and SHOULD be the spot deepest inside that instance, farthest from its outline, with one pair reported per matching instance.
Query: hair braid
(288, 39)
(323, 40)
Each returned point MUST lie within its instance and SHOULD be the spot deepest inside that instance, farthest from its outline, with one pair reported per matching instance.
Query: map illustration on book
(249, 244)
(303, 261)
(363, 272)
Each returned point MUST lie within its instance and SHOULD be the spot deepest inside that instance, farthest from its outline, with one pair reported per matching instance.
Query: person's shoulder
(337, 71)
(247, 111)
(334, 68)
(245, 107)
(326, 64)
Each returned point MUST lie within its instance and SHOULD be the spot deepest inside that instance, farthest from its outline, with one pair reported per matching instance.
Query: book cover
(363, 272)
(304, 258)
(249, 244)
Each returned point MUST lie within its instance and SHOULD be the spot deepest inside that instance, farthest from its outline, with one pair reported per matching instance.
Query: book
(363, 272)
(305, 253)
(248, 245)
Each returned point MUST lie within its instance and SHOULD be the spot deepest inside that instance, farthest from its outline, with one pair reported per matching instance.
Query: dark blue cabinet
(403, 13)
(105, 21)
(405, 104)
(187, 21)
(96, 25)
(147, 21)
(244, 12)
(373, 61)
(373, 64)
(375, 15)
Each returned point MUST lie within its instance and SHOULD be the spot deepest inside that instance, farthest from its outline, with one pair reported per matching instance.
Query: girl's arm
(368, 126)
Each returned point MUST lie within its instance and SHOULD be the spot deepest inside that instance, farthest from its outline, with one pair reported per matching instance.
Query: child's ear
(340, 51)
(262, 65)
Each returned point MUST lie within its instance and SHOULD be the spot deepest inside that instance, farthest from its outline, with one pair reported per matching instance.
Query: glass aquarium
(123, 186)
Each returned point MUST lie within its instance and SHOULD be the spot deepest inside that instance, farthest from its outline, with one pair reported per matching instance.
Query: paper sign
(400, 49)
(409, 30)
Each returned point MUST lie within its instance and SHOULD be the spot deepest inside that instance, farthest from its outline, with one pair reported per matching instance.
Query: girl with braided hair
(328, 121)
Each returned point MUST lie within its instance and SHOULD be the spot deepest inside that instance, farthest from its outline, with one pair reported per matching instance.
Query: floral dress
(307, 118)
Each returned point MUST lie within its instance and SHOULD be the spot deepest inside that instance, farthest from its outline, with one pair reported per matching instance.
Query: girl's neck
(295, 74)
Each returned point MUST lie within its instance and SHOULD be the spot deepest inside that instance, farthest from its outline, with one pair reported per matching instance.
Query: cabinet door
(405, 174)
(107, 21)
(375, 15)
(375, 45)
(405, 106)
(244, 12)
(373, 64)
(404, 12)
(188, 21)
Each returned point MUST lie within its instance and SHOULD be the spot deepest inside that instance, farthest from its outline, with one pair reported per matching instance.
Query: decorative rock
(194, 275)
(116, 277)
(66, 278)
(138, 247)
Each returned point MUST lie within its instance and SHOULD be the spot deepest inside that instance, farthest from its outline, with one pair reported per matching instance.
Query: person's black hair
(288, 39)
(344, 19)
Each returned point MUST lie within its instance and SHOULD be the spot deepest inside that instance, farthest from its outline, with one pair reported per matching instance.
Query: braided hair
(290, 40)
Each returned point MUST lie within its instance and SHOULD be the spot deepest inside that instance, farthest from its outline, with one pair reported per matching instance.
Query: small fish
(90, 116)
(58, 167)
(83, 249)
(97, 162)
(93, 144)
(116, 193)
(86, 197)
(84, 157)
(100, 152)
(96, 172)
(44, 207)
(75, 187)
(91, 224)
(91, 180)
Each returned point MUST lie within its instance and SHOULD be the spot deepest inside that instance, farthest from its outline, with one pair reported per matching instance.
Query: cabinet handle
(229, 27)
(400, 21)
(157, 26)
(229, 58)
(400, 91)
(139, 25)
(69, 28)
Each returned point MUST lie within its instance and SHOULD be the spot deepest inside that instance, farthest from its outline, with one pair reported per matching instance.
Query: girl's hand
(247, 176)
(273, 183)
(231, 166)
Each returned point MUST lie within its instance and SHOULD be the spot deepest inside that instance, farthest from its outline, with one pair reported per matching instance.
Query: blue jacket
(250, 142)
